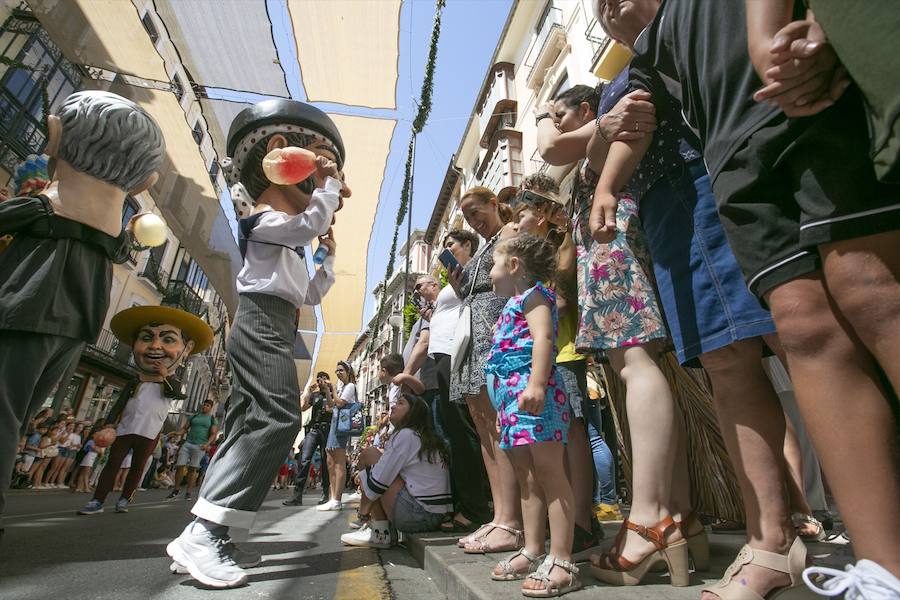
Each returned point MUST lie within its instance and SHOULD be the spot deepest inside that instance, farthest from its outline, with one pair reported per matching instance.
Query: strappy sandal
(509, 573)
(615, 569)
(479, 546)
(479, 533)
(793, 564)
(550, 589)
(454, 525)
(798, 519)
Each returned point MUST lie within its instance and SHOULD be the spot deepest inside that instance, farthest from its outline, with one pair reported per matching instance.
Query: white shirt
(393, 394)
(145, 412)
(74, 441)
(348, 393)
(443, 322)
(279, 271)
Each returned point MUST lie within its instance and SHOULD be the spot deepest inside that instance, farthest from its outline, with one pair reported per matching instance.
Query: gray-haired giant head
(110, 138)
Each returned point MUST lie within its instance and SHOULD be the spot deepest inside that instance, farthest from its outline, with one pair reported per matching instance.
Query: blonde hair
(486, 195)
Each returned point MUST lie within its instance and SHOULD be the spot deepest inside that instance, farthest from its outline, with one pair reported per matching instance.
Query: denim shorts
(705, 299)
(336, 441)
(411, 517)
(190, 454)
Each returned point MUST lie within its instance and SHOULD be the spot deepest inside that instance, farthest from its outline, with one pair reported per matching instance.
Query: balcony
(108, 349)
(497, 101)
(180, 295)
(548, 45)
(537, 162)
(155, 274)
(502, 165)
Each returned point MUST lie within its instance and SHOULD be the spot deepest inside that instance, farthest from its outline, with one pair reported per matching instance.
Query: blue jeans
(604, 467)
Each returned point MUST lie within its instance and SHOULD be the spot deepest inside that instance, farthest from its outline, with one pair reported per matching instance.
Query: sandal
(552, 590)
(479, 533)
(793, 564)
(479, 545)
(615, 569)
(698, 543)
(799, 519)
(509, 573)
(454, 525)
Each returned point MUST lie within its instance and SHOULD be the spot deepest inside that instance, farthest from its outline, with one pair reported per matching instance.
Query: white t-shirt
(393, 394)
(348, 393)
(443, 322)
(271, 268)
(74, 441)
(145, 412)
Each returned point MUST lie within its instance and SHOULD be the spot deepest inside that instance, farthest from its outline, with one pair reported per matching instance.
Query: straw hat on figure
(56, 275)
(285, 171)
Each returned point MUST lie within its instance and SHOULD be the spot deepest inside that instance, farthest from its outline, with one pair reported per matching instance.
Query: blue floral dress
(507, 371)
(616, 297)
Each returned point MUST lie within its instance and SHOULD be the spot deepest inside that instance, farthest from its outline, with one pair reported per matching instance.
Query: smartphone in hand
(448, 260)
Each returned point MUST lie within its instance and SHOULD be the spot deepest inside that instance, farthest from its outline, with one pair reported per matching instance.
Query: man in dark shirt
(316, 397)
(56, 275)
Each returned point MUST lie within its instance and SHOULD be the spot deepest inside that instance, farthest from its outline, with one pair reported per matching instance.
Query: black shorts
(797, 183)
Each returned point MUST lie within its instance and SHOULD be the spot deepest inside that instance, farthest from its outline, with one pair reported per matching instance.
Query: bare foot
(636, 548)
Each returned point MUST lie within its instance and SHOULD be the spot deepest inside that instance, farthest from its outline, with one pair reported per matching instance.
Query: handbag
(462, 334)
(350, 419)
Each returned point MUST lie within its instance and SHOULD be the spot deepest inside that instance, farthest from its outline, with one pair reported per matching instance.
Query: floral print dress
(507, 371)
(616, 297)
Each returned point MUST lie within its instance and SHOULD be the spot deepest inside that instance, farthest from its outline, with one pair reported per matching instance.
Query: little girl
(532, 413)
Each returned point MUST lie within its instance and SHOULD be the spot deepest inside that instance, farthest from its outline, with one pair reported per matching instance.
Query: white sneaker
(376, 535)
(865, 581)
(330, 505)
(353, 498)
(245, 559)
(206, 557)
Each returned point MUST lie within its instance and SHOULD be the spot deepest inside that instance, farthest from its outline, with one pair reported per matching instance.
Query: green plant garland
(417, 126)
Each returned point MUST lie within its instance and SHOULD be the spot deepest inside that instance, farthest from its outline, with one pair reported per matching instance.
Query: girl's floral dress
(616, 297)
(507, 370)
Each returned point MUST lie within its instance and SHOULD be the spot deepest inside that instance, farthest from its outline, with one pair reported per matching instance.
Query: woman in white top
(407, 486)
(336, 446)
(73, 445)
(472, 493)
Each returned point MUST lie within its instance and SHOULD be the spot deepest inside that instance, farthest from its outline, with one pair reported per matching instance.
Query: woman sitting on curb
(407, 485)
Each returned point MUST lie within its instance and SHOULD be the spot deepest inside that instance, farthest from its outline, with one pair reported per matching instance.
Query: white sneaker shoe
(353, 498)
(330, 505)
(376, 535)
(245, 559)
(865, 581)
(206, 557)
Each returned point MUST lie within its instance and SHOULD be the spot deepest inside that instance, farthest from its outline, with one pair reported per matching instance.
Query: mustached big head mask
(303, 125)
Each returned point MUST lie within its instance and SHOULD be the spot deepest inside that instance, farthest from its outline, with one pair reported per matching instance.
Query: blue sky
(469, 33)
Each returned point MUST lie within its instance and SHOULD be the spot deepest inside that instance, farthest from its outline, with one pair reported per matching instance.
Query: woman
(467, 474)
(472, 284)
(407, 485)
(336, 446)
(621, 317)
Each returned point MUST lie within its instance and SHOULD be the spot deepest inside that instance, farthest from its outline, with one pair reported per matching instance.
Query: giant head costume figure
(103, 146)
(268, 125)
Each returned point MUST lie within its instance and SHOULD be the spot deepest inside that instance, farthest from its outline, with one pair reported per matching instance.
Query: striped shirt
(427, 482)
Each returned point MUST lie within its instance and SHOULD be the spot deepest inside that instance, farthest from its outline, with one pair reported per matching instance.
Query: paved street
(49, 551)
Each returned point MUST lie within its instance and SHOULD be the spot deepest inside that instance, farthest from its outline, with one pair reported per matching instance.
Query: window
(22, 130)
(147, 21)
(213, 170)
(563, 85)
(197, 132)
(177, 87)
(129, 209)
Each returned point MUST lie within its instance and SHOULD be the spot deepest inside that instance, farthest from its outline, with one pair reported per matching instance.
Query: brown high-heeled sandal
(615, 569)
(698, 543)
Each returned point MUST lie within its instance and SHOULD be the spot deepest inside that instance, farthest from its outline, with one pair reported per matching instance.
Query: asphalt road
(50, 552)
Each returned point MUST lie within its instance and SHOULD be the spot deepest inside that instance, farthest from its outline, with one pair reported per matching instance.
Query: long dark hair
(419, 419)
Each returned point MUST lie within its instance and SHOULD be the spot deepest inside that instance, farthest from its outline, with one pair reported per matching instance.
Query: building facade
(544, 49)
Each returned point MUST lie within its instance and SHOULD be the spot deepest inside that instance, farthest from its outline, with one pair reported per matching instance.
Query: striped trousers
(262, 417)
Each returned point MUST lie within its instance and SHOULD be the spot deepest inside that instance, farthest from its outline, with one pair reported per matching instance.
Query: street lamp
(396, 321)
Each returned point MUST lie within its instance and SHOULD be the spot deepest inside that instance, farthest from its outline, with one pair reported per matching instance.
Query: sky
(470, 30)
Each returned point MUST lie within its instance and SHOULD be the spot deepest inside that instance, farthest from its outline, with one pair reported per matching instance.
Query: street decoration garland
(418, 124)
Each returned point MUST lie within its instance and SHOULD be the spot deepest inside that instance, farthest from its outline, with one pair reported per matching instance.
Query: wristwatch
(543, 115)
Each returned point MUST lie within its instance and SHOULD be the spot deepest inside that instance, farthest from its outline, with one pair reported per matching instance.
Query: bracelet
(540, 117)
(600, 130)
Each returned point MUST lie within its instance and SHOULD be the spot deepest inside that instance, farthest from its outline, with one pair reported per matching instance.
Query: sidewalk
(462, 576)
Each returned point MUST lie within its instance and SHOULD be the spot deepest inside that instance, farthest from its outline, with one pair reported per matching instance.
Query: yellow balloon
(150, 230)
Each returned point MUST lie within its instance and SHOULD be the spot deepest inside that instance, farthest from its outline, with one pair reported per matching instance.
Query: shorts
(190, 454)
(88, 460)
(795, 184)
(574, 376)
(411, 517)
(27, 461)
(699, 283)
(336, 441)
